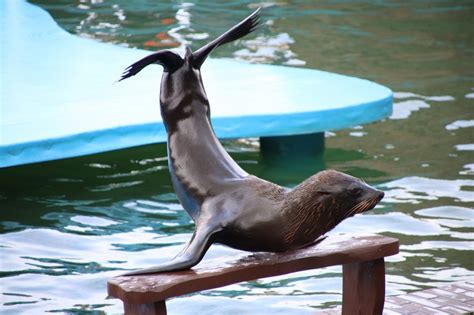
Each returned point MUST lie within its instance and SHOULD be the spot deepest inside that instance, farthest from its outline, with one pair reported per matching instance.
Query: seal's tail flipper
(192, 253)
(168, 59)
(245, 27)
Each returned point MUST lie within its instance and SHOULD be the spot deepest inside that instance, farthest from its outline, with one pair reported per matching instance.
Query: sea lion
(228, 205)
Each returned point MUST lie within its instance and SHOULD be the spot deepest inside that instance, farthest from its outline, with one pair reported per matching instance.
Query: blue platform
(59, 100)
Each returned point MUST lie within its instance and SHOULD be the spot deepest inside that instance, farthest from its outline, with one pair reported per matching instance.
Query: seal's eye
(355, 191)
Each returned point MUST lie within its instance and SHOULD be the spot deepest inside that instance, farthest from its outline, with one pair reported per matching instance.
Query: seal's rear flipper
(168, 59)
(245, 27)
(190, 256)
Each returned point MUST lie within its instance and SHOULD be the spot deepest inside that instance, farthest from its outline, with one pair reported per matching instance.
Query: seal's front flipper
(245, 27)
(190, 256)
(168, 59)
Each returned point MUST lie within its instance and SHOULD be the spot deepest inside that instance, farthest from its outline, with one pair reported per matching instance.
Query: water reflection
(392, 222)
(415, 189)
(465, 147)
(469, 95)
(403, 110)
(468, 170)
(460, 124)
(275, 49)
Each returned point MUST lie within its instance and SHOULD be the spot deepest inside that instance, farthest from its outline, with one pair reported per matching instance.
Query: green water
(67, 226)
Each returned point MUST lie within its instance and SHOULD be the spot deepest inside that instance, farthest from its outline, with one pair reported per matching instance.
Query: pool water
(67, 226)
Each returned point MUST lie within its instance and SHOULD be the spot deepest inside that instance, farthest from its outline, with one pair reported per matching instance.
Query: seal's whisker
(368, 204)
(355, 209)
(362, 206)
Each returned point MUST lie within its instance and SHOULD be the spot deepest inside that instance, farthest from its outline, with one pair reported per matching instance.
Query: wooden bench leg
(363, 287)
(157, 308)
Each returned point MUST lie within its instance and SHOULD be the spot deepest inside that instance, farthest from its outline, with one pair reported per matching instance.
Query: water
(67, 226)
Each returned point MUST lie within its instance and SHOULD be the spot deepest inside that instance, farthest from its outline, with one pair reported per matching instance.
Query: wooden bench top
(334, 250)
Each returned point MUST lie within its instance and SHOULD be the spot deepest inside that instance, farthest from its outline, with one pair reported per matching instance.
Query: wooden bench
(362, 258)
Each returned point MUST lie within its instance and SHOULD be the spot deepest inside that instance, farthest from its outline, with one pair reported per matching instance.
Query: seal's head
(322, 201)
(348, 194)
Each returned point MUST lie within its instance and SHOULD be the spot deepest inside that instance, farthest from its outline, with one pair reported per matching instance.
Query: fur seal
(228, 205)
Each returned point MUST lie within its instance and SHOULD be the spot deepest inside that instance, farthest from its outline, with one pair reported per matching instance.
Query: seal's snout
(380, 195)
(375, 195)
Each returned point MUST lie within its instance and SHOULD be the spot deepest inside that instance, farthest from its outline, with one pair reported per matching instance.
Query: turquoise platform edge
(129, 136)
(330, 116)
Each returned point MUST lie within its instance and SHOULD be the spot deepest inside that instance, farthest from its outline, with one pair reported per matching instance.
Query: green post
(290, 146)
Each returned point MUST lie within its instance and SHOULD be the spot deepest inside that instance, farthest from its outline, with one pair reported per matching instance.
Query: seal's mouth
(366, 205)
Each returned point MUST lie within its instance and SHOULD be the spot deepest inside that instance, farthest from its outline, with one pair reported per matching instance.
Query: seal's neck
(183, 98)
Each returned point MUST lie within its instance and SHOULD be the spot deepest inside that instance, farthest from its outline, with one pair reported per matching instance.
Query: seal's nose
(381, 194)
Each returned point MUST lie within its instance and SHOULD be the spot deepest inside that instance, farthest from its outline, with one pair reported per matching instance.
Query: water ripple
(415, 189)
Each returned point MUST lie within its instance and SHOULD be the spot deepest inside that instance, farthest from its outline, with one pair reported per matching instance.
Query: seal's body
(228, 205)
